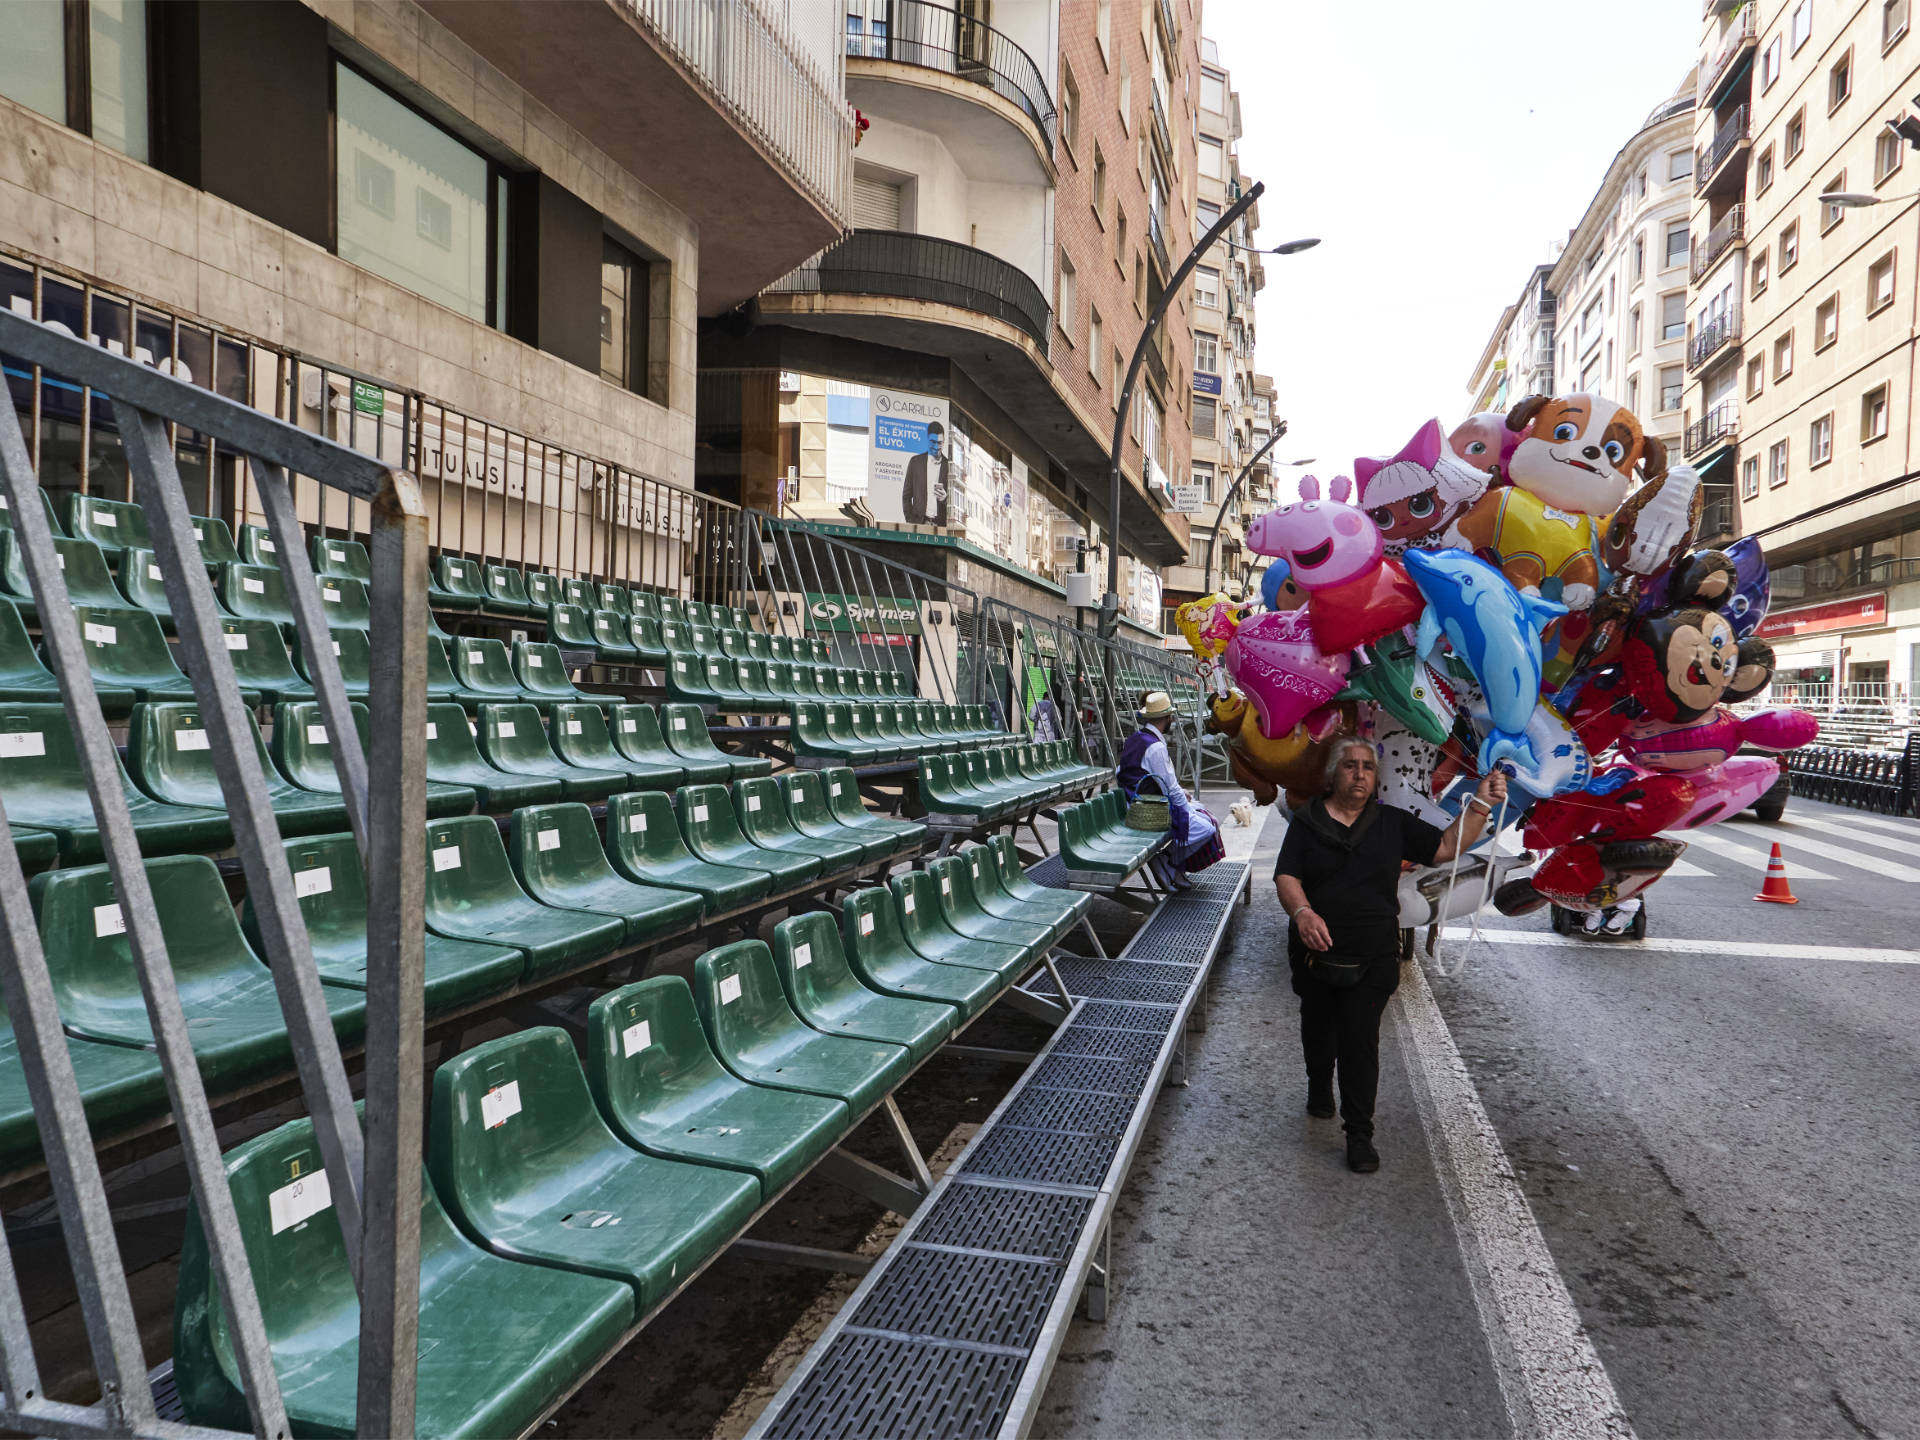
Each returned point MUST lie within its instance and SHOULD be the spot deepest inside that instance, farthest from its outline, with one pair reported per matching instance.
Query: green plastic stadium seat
(34, 849)
(528, 1168)
(713, 833)
(472, 895)
(506, 591)
(983, 881)
(636, 735)
(345, 602)
(733, 645)
(353, 650)
(672, 608)
(215, 541)
(611, 639)
(558, 859)
(347, 559)
(455, 583)
(864, 745)
(170, 756)
(687, 682)
(581, 737)
(758, 1037)
(499, 1342)
(441, 686)
(805, 796)
(513, 739)
(938, 740)
(695, 613)
(119, 1087)
(46, 504)
(255, 592)
(942, 794)
(113, 525)
(723, 678)
(543, 591)
(645, 845)
(826, 994)
(233, 1013)
(571, 626)
(23, 676)
(143, 583)
(577, 591)
(331, 882)
(644, 602)
(843, 798)
(453, 759)
(83, 565)
(660, 1089)
(930, 937)
(761, 807)
(40, 776)
(879, 954)
(759, 646)
(543, 675)
(126, 651)
(782, 646)
(614, 598)
(686, 733)
(649, 649)
(256, 547)
(484, 672)
(953, 883)
(1014, 883)
(301, 747)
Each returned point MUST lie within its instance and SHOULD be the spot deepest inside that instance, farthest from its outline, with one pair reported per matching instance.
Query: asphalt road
(1672, 1188)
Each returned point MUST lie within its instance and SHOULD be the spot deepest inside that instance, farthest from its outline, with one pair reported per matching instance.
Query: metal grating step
(951, 1295)
(1182, 938)
(1122, 987)
(1051, 872)
(1045, 1224)
(1071, 1110)
(941, 1392)
(167, 1403)
(1046, 1156)
(1102, 1015)
(1083, 1041)
(1088, 1072)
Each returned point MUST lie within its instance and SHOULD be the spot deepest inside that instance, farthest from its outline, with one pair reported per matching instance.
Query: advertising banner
(909, 472)
(863, 614)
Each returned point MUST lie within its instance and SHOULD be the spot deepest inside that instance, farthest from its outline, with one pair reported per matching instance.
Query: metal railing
(1722, 422)
(1730, 231)
(1667, 109)
(924, 267)
(1744, 33)
(1722, 330)
(1710, 157)
(375, 1177)
(1157, 237)
(761, 74)
(1793, 583)
(938, 37)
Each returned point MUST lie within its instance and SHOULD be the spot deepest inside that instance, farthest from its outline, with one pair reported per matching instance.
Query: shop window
(45, 44)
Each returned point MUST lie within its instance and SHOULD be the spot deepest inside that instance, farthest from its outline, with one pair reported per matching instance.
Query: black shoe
(1320, 1102)
(1362, 1158)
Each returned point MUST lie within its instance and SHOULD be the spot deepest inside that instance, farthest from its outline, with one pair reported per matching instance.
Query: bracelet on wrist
(1482, 806)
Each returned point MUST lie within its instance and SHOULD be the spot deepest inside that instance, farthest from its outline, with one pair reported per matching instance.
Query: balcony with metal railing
(1739, 46)
(938, 37)
(1709, 339)
(1157, 237)
(1730, 231)
(1717, 156)
(924, 267)
(1717, 426)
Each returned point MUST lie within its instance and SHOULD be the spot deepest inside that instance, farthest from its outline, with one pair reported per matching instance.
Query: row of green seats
(995, 785)
(735, 685)
(1094, 838)
(886, 733)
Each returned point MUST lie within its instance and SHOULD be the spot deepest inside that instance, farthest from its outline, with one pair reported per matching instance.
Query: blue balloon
(1271, 582)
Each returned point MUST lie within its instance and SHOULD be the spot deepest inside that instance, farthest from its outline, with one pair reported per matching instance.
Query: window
(1763, 172)
(1633, 393)
(1880, 283)
(624, 295)
(1213, 159)
(1893, 22)
(1826, 323)
(1789, 247)
(1124, 98)
(1120, 238)
(1889, 154)
(444, 244)
(1634, 318)
(1590, 320)
(1103, 26)
(1832, 214)
(1213, 92)
(1796, 137)
(1140, 283)
(1873, 415)
(1099, 192)
(1756, 376)
(1777, 463)
(1770, 64)
(1206, 215)
(1095, 350)
(1203, 477)
(1783, 357)
(1840, 82)
(1820, 442)
(1589, 377)
(1593, 263)
(1119, 374)
(1673, 316)
(1206, 287)
(1639, 257)
(1672, 382)
(1680, 165)
(1757, 273)
(1068, 310)
(1799, 26)
(1206, 353)
(108, 47)
(1750, 477)
(1069, 107)
(1205, 408)
(1679, 243)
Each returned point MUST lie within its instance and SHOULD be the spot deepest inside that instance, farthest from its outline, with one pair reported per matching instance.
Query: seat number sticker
(573, 727)
(305, 1198)
(866, 924)
(802, 956)
(699, 813)
(729, 989)
(836, 789)
(627, 727)
(906, 903)
(330, 595)
(503, 730)
(153, 572)
(100, 634)
(476, 657)
(499, 1106)
(253, 586)
(22, 742)
(549, 839)
(336, 647)
(334, 553)
(535, 661)
(317, 881)
(317, 735)
(191, 740)
(268, 546)
(679, 722)
(636, 824)
(753, 802)
(107, 920)
(946, 885)
(447, 857)
(433, 731)
(112, 522)
(636, 1038)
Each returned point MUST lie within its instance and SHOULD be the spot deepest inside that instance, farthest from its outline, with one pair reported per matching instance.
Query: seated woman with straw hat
(1193, 834)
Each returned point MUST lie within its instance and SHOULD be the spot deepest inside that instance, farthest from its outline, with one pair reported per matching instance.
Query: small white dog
(1241, 812)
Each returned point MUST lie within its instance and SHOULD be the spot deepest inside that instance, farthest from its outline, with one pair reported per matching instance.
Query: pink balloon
(1779, 729)
(1273, 659)
(1728, 788)
(1683, 745)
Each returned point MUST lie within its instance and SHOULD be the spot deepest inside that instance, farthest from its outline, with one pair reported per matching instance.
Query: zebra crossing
(1850, 846)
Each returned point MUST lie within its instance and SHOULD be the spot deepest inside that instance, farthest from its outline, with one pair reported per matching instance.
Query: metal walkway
(955, 1331)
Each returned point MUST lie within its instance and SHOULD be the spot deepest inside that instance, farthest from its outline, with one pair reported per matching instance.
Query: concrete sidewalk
(1263, 1289)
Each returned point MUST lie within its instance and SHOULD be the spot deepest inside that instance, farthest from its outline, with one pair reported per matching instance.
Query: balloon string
(1486, 893)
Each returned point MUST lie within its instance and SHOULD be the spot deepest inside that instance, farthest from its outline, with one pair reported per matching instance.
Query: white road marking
(1684, 868)
(1858, 836)
(1550, 1375)
(1719, 844)
(1872, 864)
(1908, 828)
(1700, 949)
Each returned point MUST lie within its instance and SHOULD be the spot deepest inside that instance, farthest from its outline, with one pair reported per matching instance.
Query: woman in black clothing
(1338, 877)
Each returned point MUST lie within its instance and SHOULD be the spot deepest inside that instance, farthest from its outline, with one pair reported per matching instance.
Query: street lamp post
(1206, 574)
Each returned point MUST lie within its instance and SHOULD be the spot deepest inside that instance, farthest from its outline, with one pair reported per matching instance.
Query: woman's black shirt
(1351, 873)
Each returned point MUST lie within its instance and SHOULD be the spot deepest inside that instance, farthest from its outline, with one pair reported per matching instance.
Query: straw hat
(1159, 706)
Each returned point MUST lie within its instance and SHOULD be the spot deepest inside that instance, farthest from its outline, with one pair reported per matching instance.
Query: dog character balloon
(1415, 495)
(1485, 443)
(1335, 553)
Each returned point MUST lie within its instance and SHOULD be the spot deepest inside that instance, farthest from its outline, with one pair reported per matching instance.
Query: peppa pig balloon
(1272, 657)
(1335, 553)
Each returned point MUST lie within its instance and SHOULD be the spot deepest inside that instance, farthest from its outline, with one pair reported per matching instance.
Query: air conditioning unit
(1079, 585)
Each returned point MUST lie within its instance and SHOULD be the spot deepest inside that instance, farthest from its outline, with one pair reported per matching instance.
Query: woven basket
(1149, 812)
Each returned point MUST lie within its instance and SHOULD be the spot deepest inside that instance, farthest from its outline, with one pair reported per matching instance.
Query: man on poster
(923, 493)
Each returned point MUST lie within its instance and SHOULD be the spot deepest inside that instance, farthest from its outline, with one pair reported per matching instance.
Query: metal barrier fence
(376, 1190)
(1885, 781)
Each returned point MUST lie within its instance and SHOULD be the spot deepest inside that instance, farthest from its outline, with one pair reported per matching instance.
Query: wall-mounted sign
(369, 399)
(1187, 499)
(1856, 614)
(910, 475)
(1205, 384)
(863, 613)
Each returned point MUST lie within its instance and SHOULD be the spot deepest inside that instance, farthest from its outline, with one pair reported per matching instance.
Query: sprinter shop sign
(862, 613)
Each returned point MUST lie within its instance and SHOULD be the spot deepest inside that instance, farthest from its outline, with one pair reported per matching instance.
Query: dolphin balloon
(1496, 631)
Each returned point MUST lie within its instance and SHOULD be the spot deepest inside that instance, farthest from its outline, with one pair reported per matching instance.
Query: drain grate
(1085, 1041)
(945, 1295)
(1087, 1072)
(1073, 1110)
(1103, 1016)
(1046, 1156)
(935, 1391)
(1042, 1223)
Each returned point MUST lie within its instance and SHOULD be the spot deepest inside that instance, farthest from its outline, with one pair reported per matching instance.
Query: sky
(1438, 151)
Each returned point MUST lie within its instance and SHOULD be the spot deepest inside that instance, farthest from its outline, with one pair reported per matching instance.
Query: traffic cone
(1775, 890)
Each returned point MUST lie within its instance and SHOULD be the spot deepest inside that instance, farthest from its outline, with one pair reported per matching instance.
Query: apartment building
(477, 239)
(1803, 318)
(1025, 167)
(1518, 359)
